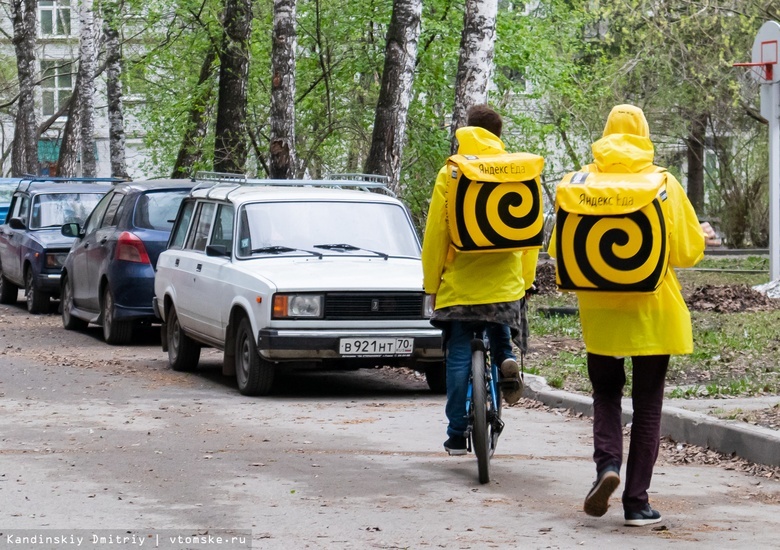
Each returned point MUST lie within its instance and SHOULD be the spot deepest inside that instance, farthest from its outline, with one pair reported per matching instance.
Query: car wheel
(114, 332)
(436, 376)
(183, 351)
(9, 292)
(37, 301)
(255, 376)
(68, 320)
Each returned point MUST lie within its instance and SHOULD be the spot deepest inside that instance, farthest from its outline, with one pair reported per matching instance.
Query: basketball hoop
(767, 75)
(765, 53)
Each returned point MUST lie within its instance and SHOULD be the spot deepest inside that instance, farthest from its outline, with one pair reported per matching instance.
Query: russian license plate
(367, 347)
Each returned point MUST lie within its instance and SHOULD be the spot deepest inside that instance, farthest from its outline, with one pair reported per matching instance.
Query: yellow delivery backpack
(494, 202)
(612, 232)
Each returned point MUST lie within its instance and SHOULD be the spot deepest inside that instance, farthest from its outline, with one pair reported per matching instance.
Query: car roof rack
(365, 182)
(27, 180)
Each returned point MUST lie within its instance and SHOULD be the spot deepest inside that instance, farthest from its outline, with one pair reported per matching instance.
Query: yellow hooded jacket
(458, 278)
(641, 324)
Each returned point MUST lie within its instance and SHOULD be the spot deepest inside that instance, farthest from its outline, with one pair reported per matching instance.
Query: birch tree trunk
(70, 144)
(24, 158)
(87, 65)
(230, 147)
(477, 46)
(389, 132)
(116, 119)
(190, 151)
(282, 148)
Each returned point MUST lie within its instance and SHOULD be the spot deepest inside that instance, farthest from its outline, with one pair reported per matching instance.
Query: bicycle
(483, 403)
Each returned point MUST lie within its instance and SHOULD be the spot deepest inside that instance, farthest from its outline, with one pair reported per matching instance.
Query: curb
(753, 443)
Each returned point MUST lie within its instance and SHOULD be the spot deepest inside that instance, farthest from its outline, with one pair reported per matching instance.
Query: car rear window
(157, 209)
(318, 225)
(55, 209)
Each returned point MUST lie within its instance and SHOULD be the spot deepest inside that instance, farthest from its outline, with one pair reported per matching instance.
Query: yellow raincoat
(641, 324)
(458, 278)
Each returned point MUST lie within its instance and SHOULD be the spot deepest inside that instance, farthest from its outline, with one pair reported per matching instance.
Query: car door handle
(103, 240)
(198, 267)
(176, 263)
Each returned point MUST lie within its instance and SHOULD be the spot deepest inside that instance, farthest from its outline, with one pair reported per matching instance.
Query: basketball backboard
(766, 50)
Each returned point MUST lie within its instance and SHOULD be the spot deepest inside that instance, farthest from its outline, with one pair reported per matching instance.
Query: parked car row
(32, 247)
(277, 274)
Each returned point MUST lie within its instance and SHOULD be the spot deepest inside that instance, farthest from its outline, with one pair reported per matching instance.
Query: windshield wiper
(281, 250)
(343, 246)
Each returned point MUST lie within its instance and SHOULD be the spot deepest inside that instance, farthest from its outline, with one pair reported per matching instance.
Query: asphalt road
(102, 441)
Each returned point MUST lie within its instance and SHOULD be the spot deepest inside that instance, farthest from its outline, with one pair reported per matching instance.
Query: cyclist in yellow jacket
(646, 327)
(470, 287)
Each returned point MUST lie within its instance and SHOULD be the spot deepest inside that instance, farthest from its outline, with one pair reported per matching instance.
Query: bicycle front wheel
(480, 434)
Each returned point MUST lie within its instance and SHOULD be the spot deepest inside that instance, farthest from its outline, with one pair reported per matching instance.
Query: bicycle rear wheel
(496, 424)
(480, 434)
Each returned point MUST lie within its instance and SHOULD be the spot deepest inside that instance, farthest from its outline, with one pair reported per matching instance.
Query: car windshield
(55, 209)
(364, 228)
(157, 209)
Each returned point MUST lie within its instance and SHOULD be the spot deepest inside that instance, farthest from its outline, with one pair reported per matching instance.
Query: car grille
(368, 305)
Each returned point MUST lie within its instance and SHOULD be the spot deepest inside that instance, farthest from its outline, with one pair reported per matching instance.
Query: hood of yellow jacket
(623, 153)
(626, 119)
(473, 140)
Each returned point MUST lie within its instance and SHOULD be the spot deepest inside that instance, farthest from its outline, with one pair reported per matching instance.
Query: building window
(55, 17)
(56, 86)
(518, 79)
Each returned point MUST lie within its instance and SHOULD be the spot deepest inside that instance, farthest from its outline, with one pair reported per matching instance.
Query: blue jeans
(459, 336)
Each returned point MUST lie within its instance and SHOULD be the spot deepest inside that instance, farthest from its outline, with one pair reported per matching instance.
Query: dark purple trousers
(608, 376)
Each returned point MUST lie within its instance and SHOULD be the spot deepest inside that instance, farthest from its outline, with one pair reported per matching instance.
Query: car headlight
(427, 306)
(55, 261)
(289, 306)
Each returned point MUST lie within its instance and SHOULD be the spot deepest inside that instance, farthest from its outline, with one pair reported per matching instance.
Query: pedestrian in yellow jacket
(647, 327)
(474, 287)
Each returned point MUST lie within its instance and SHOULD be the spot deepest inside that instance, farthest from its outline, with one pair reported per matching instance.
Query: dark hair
(485, 117)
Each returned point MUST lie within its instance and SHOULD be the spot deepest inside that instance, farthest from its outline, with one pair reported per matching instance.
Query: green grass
(735, 262)
(735, 354)
(565, 370)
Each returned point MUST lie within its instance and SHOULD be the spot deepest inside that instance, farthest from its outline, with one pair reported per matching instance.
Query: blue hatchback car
(7, 188)
(108, 275)
(32, 248)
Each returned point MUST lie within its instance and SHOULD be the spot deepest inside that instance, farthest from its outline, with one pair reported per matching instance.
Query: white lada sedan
(284, 274)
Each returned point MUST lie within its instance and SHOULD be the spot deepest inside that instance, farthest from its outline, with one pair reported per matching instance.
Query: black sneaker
(647, 516)
(455, 445)
(511, 382)
(597, 501)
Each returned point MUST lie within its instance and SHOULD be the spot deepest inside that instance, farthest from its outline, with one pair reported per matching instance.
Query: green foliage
(558, 71)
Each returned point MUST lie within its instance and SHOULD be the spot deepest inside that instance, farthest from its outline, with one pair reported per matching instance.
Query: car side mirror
(16, 223)
(71, 230)
(216, 250)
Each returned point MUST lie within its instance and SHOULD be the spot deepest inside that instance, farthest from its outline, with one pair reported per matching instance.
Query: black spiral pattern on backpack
(613, 253)
(507, 214)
